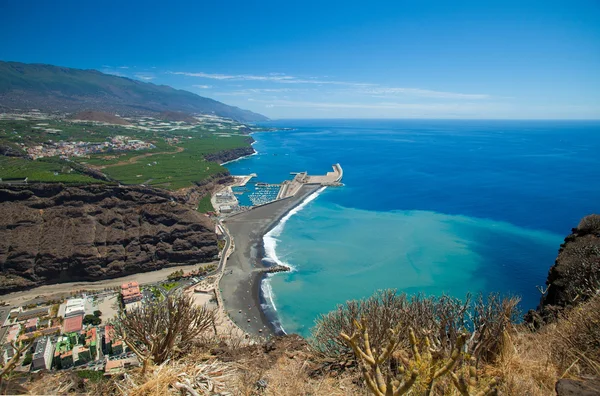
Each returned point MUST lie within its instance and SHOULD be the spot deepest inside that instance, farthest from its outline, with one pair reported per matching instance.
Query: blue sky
(330, 59)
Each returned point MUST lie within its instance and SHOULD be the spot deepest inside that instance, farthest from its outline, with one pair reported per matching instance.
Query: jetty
(289, 188)
(225, 201)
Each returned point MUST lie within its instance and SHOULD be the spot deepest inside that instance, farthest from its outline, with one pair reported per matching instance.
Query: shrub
(390, 371)
(443, 319)
(27, 360)
(91, 319)
(94, 376)
(175, 275)
(576, 339)
(97, 313)
(161, 330)
(589, 225)
(580, 264)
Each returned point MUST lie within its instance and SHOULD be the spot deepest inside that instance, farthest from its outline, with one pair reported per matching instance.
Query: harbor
(245, 193)
(240, 286)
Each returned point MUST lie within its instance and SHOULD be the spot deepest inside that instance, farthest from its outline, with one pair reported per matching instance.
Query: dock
(225, 201)
(289, 188)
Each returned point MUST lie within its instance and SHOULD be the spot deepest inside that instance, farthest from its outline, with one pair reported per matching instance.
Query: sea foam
(270, 239)
(270, 245)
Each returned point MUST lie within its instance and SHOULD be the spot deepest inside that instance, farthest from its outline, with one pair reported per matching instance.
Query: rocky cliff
(54, 233)
(575, 275)
(232, 154)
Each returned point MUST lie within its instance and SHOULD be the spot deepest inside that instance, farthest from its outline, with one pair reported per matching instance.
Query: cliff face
(53, 233)
(233, 154)
(575, 275)
(229, 155)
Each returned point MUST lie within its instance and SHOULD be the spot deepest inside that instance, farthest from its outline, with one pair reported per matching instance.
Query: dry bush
(580, 264)
(178, 377)
(383, 311)
(161, 330)
(525, 367)
(289, 377)
(443, 319)
(424, 369)
(589, 225)
(55, 384)
(576, 340)
(570, 347)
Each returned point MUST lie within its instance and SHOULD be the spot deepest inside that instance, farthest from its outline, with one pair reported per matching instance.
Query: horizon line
(433, 119)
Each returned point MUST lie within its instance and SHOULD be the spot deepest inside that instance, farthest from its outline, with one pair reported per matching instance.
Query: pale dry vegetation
(460, 348)
(161, 330)
(515, 362)
(420, 345)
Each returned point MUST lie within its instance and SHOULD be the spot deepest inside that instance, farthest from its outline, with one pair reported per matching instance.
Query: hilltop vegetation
(52, 88)
(175, 154)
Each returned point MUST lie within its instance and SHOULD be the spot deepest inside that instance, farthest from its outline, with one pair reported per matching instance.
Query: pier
(289, 188)
(225, 201)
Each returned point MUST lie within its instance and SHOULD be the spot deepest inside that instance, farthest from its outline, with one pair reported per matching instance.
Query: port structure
(289, 188)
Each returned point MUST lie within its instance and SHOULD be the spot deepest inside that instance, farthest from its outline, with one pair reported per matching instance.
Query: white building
(225, 209)
(75, 306)
(42, 358)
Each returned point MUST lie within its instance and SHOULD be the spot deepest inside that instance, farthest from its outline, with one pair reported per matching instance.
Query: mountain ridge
(57, 88)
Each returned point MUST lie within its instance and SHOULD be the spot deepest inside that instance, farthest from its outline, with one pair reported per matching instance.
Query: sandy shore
(240, 284)
(64, 289)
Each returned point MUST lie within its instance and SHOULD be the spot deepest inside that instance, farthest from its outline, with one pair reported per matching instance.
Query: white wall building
(75, 306)
(42, 358)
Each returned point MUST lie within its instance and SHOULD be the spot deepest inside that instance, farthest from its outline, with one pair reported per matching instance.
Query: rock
(575, 274)
(261, 384)
(52, 233)
(230, 155)
(568, 387)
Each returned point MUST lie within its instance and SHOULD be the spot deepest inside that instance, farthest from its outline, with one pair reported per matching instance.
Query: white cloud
(253, 91)
(426, 93)
(364, 88)
(123, 67)
(202, 86)
(238, 77)
(463, 106)
(145, 77)
(113, 72)
(271, 77)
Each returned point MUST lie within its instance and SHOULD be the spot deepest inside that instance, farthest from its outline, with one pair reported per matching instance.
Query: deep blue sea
(428, 206)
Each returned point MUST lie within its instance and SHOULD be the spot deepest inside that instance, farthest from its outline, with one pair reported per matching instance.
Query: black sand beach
(240, 285)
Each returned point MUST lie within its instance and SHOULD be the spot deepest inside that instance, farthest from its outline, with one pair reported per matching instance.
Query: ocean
(428, 206)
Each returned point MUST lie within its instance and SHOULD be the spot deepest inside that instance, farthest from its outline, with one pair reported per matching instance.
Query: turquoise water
(428, 206)
(252, 195)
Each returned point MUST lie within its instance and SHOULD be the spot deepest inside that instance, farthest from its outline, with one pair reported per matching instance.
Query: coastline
(241, 284)
(240, 158)
(244, 156)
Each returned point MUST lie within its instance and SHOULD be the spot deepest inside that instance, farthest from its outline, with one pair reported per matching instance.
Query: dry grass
(529, 363)
(289, 376)
(525, 367)
(570, 348)
(170, 378)
(576, 340)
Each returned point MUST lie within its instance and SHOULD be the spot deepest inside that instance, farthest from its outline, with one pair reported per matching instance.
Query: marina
(244, 193)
